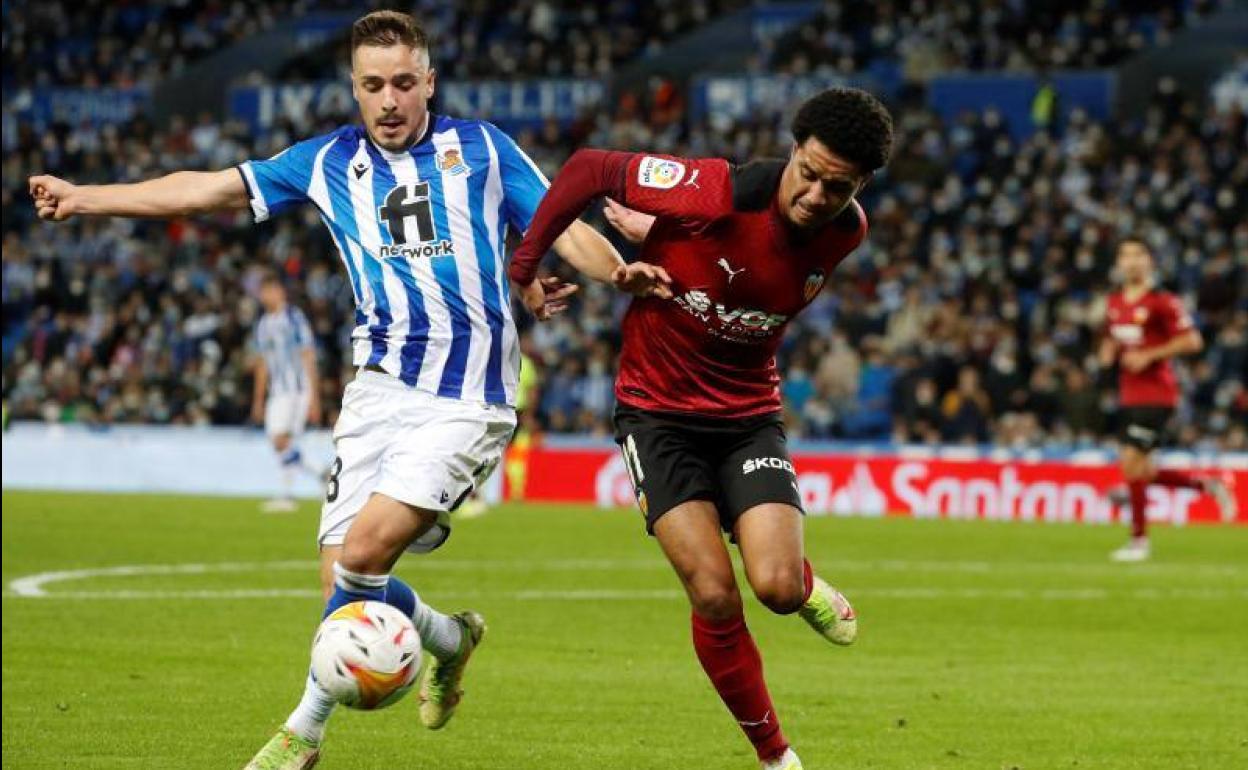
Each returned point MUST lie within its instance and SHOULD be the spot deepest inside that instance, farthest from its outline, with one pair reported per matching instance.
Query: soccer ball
(366, 655)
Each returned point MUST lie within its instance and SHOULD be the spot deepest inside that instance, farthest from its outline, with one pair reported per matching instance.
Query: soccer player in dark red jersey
(746, 248)
(1144, 329)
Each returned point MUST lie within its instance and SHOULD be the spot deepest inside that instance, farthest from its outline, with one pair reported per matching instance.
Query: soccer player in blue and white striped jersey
(419, 206)
(285, 394)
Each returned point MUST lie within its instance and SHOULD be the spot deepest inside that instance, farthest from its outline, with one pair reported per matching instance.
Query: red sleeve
(587, 175)
(698, 190)
(1176, 317)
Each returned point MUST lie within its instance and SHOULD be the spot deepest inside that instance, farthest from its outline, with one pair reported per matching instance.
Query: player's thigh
(665, 462)
(1136, 463)
(693, 541)
(756, 470)
(361, 437)
(770, 538)
(281, 415)
(442, 450)
(380, 533)
(1143, 430)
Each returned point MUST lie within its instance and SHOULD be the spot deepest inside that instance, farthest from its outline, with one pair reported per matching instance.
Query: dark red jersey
(739, 275)
(1154, 319)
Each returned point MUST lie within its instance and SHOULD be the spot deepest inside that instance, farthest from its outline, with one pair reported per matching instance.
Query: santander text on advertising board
(879, 485)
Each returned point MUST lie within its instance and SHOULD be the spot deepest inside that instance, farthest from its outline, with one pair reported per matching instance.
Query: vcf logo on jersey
(408, 216)
(814, 282)
(734, 321)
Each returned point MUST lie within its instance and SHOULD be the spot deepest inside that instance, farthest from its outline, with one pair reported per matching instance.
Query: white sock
(309, 717)
(439, 634)
(288, 482)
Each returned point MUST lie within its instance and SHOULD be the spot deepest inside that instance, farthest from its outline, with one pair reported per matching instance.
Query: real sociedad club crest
(453, 163)
(814, 282)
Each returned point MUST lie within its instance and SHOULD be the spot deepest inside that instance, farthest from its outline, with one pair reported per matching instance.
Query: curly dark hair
(851, 122)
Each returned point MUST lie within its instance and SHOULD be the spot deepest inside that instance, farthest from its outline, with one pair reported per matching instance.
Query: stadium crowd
(969, 316)
(95, 43)
(934, 36)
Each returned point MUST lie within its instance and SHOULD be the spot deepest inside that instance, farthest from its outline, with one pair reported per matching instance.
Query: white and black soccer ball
(366, 655)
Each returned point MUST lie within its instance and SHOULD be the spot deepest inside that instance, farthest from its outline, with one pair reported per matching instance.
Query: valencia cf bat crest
(814, 282)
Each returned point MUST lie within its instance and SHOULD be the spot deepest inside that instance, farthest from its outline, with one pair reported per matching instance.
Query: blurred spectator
(965, 410)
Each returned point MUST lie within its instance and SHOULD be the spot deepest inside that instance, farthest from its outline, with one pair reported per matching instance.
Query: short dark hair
(851, 122)
(271, 278)
(384, 28)
(1138, 240)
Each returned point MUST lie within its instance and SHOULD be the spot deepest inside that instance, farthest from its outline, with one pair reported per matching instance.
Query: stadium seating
(943, 327)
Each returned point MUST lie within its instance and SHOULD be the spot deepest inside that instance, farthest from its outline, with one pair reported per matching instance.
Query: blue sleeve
(523, 182)
(303, 331)
(282, 181)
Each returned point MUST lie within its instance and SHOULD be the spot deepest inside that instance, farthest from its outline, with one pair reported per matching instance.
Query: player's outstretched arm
(182, 193)
(592, 255)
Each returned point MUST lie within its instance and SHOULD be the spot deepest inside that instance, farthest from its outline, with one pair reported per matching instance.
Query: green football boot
(285, 751)
(440, 692)
(829, 612)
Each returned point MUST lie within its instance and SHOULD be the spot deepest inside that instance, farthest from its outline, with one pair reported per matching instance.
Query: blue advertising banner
(1013, 95)
(512, 105)
(77, 105)
(770, 21)
(738, 96)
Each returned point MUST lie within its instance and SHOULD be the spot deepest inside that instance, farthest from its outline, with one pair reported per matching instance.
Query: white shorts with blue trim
(418, 448)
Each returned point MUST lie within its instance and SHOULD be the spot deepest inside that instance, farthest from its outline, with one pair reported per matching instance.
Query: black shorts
(1144, 427)
(735, 464)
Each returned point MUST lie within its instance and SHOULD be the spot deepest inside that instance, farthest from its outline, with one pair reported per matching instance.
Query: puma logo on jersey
(723, 262)
(693, 180)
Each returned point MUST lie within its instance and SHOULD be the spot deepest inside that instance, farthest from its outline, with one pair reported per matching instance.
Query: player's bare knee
(715, 602)
(281, 443)
(365, 555)
(782, 594)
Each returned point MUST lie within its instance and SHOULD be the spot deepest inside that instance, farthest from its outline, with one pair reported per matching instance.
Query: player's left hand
(1136, 360)
(642, 279)
(545, 297)
(633, 225)
(314, 411)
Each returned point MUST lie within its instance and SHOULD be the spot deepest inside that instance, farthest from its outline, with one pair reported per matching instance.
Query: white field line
(35, 586)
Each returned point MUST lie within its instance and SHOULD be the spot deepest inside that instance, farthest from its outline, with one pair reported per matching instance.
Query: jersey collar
(426, 132)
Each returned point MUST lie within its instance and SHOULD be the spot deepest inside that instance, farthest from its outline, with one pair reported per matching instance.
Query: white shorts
(286, 414)
(424, 450)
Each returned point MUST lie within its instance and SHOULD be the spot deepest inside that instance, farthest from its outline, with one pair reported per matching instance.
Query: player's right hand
(544, 297)
(642, 279)
(54, 198)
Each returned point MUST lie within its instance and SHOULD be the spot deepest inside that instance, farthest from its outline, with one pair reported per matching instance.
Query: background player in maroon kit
(699, 416)
(1145, 328)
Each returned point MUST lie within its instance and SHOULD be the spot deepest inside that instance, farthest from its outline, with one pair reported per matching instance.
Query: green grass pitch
(982, 645)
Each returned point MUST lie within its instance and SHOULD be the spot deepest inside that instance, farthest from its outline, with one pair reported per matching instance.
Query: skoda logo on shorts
(759, 463)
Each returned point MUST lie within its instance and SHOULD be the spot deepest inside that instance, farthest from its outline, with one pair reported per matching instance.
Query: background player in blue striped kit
(419, 206)
(286, 393)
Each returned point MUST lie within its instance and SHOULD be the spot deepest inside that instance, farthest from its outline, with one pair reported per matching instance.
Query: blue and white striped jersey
(422, 235)
(281, 338)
